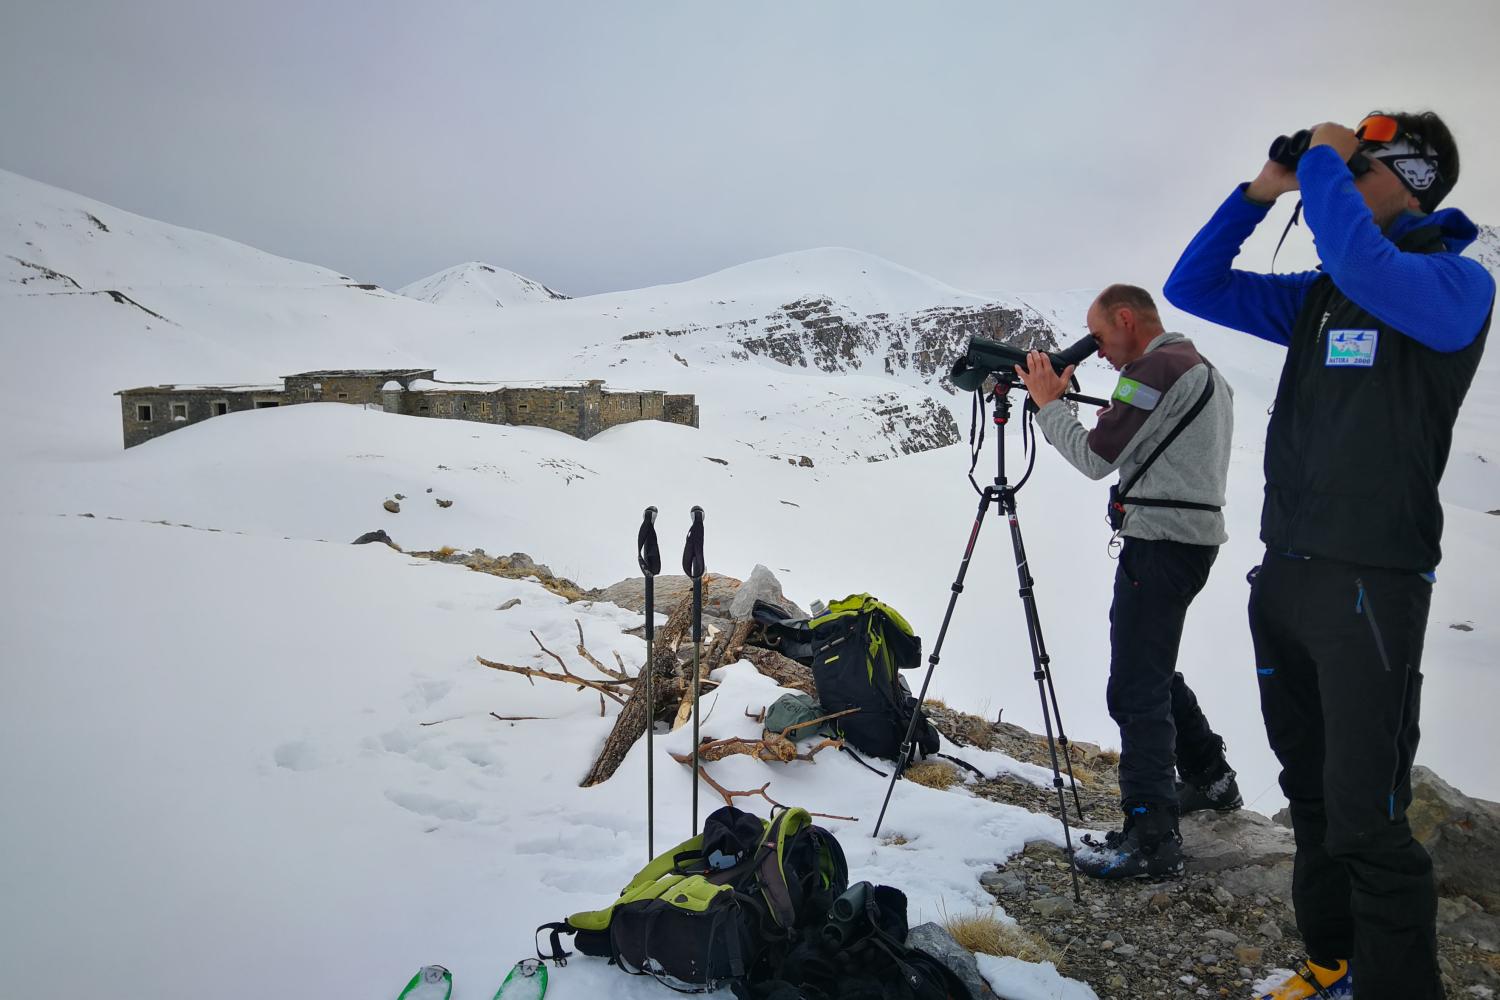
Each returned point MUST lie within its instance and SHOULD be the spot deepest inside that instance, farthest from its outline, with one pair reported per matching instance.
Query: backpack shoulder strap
(768, 868)
(1203, 398)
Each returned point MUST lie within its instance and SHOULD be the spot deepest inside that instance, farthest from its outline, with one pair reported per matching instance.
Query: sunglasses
(1378, 128)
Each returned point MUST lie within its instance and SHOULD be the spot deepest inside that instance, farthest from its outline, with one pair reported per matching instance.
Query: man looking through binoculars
(1167, 431)
(1382, 343)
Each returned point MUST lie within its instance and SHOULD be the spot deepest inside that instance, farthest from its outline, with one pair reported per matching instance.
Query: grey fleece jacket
(1154, 393)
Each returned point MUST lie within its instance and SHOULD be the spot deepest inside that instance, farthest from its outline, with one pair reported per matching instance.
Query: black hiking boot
(1211, 787)
(1148, 846)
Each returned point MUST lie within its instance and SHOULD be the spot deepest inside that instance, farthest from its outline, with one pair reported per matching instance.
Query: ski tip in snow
(527, 981)
(432, 982)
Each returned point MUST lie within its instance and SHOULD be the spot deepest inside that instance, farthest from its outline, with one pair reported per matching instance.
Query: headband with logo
(1415, 164)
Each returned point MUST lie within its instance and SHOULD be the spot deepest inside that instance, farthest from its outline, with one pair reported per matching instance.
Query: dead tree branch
(566, 677)
(729, 796)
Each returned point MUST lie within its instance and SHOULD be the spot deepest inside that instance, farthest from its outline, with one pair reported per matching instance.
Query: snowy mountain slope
(476, 285)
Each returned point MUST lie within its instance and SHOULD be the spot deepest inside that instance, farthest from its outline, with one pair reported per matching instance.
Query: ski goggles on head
(1410, 158)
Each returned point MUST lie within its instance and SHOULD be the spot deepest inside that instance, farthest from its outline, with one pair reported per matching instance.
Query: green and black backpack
(718, 907)
(857, 649)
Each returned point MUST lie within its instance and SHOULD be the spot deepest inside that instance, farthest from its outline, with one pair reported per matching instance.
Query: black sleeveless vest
(1360, 433)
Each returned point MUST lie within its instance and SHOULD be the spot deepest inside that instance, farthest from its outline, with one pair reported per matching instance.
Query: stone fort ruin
(581, 409)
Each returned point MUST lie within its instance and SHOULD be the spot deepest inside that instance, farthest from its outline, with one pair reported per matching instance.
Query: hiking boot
(1148, 846)
(1210, 787)
(1314, 981)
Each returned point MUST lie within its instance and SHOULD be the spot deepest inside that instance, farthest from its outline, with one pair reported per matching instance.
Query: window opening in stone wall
(343, 395)
(143, 412)
(221, 407)
(179, 411)
(266, 404)
(522, 407)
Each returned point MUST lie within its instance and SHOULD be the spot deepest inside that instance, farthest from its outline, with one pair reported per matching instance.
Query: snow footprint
(424, 694)
(579, 842)
(297, 755)
(431, 805)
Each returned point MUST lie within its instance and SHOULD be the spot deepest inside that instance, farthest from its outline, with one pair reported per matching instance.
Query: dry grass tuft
(445, 552)
(895, 840)
(983, 932)
(933, 774)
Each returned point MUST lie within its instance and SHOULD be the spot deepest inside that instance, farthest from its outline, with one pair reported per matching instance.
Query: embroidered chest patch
(1352, 348)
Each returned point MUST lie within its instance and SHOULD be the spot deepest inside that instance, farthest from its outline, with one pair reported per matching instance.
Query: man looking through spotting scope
(1166, 430)
(1382, 344)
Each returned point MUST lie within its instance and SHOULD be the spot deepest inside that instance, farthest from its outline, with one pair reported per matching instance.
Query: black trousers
(1338, 650)
(1161, 725)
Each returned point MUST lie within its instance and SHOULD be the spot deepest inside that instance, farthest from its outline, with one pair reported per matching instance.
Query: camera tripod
(1003, 494)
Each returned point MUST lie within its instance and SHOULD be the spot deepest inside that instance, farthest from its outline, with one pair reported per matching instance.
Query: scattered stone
(1223, 896)
(392, 506)
(1270, 931)
(509, 604)
(376, 536)
(443, 503)
(1053, 906)
(1223, 937)
(937, 942)
(1161, 901)
(429, 489)
(1004, 883)
(1462, 626)
(1461, 833)
(718, 593)
(400, 496)
(1216, 841)
(761, 586)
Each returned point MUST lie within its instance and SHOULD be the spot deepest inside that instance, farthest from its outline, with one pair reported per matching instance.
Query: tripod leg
(1043, 677)
(937, 649)
(1034, 625)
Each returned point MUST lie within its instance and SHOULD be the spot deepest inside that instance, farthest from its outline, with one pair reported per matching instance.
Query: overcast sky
(601, 146)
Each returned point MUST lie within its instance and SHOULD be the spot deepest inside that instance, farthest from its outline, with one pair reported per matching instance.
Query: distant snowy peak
(477, 285)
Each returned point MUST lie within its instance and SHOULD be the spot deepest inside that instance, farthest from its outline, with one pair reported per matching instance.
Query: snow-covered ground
(212, 736)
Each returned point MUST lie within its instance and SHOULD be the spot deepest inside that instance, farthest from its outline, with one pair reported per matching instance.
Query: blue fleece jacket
(1438, 299)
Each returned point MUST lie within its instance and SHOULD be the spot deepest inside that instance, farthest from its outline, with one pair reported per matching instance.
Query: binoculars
(848, 918)
(1288, 149)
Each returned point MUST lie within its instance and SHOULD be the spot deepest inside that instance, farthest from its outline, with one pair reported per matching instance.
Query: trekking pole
(649, 557)
(692, 565)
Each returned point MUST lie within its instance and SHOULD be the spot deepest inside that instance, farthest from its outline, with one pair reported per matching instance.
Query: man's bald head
(1123, 321)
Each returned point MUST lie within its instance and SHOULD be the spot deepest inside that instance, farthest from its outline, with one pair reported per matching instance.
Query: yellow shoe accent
(1313, 981)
